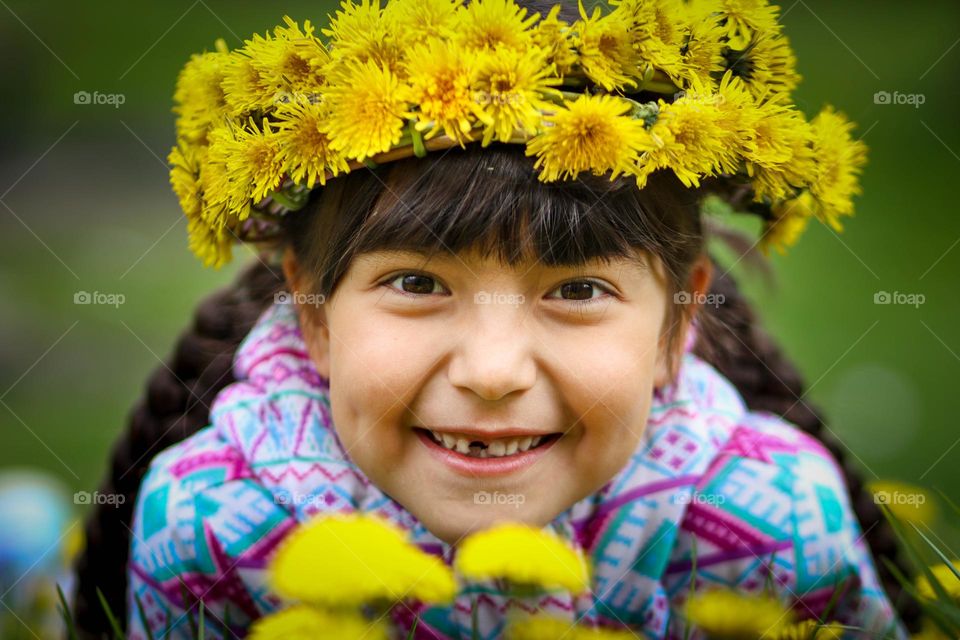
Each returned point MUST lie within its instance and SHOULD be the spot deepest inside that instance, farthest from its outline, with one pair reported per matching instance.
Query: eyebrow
(384, 255)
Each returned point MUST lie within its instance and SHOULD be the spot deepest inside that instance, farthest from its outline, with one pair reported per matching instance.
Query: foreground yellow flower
(947, 578)
(541, 627)
(302, 622)
(756, 615)
(525, 556)
(589, 134)
(346, 560)
(808, 630)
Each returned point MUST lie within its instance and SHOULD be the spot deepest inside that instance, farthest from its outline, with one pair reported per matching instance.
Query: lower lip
(484, 467)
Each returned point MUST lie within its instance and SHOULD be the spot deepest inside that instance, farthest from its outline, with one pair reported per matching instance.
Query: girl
(448, 341)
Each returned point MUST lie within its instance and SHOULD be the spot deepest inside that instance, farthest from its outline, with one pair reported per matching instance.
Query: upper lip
(505, 432)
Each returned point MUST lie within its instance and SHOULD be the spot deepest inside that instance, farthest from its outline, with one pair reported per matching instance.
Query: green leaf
(416, 619)
(112, 619)
(939, 553)
(143, 616)
(67, 615)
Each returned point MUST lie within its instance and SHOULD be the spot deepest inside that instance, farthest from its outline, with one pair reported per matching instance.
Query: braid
(735, 344)
(176, 405)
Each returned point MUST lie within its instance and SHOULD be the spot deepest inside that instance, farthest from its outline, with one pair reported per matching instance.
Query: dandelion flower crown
(698, 87)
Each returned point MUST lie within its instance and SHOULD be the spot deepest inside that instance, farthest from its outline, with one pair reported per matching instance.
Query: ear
(698, 285)
(312, 315)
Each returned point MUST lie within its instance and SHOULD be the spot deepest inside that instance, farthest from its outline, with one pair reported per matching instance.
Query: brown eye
(414, 284)
(580, 292)
(577, 290)
(417, 284)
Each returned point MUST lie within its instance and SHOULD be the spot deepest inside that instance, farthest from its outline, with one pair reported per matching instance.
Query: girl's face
(473, 393)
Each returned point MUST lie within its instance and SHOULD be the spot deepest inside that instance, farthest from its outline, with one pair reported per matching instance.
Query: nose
(494, 359)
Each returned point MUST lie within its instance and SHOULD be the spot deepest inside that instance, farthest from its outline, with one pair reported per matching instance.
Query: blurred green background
(86, 207)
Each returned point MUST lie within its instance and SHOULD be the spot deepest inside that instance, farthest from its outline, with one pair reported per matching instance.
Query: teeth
(495, 448)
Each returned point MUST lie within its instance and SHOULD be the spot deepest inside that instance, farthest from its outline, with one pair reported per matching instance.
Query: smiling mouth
(473, 447)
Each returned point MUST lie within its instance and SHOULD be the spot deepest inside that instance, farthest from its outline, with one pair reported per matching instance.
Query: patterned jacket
(762, 503)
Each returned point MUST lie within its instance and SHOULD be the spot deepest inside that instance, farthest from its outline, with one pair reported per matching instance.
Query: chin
(453, 523)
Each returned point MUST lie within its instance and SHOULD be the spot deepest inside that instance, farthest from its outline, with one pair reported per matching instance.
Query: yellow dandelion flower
(213, 245)
(746, 18)
(768, 64)
(606, 47)
(510, 87)
(790, 221)
(690, 137)
(290, 62)
(663, 35)
(421, 20)
(840, 160)
(907, 502)
(947, 578)
(542, 627)
(553, 35)
(929, 631)
(702, 52)
(184, 160)
(254, 160)
(305, 151)
(589, 134)
(441, 78)
(346, 560)
(245, 87)
(757, 615)
(525, 556)
(779, 157)
(369, 108)
(199, 98)
(301, 622)
(808, 630)
(359, 33)
(492, 24)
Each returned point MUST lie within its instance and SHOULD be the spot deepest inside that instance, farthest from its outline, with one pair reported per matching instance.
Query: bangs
(490, 202)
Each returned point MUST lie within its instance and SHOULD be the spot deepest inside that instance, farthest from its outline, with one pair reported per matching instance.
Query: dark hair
(489, 200)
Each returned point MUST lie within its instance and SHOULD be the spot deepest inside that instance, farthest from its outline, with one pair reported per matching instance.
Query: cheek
(372, 381)
(612, 391)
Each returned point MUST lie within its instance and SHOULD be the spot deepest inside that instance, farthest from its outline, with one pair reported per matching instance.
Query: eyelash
(578, 303)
